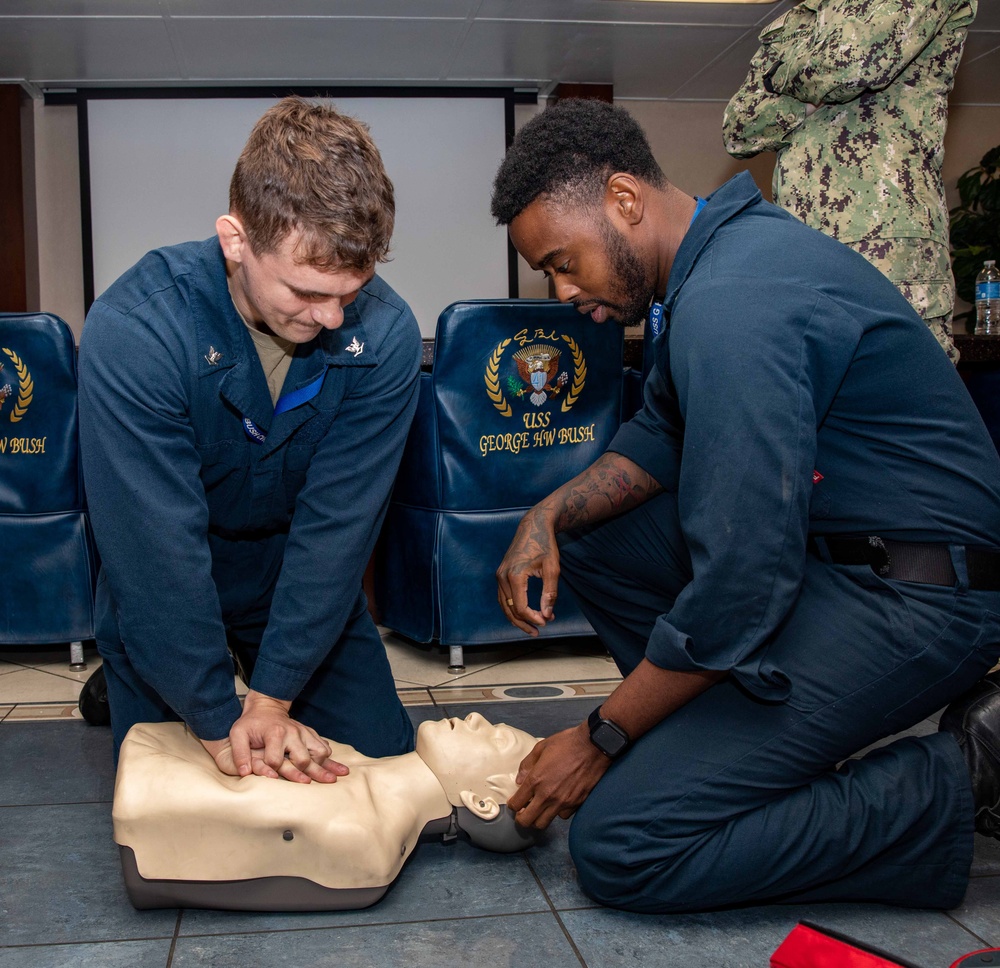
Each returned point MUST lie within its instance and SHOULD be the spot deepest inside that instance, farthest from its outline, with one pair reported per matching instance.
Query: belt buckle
(879, 558)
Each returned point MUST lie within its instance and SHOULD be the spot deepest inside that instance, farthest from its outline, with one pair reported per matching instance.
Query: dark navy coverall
(795, 393)
(205, 533)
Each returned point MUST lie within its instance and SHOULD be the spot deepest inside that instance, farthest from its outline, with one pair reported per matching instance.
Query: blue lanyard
(655, 320)
(287, 402)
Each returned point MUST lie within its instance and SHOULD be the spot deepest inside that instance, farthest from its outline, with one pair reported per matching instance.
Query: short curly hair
(571, 148)
(307, 168)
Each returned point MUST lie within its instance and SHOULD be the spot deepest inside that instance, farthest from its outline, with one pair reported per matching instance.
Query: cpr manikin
(191, 836)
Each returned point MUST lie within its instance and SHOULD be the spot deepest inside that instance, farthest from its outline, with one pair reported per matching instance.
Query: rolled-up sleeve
(749, 406)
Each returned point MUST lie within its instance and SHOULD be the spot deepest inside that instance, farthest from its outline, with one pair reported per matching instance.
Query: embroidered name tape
(287, 402)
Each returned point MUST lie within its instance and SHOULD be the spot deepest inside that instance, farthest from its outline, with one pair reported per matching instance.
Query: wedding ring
(510, 602)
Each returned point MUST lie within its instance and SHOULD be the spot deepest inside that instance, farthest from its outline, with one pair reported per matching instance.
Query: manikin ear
(484, 807)
(624, 198)
(232, 237)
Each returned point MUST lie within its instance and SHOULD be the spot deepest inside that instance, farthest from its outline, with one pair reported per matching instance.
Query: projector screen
(159, 171)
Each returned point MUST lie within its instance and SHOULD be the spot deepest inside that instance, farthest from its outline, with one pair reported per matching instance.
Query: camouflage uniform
(865, 165)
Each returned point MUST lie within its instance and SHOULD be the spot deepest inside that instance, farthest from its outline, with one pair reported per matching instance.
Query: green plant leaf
(975, 223)
(991, 160)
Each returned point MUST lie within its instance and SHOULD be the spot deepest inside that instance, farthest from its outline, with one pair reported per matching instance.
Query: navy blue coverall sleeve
(147, 502)
(748, 394)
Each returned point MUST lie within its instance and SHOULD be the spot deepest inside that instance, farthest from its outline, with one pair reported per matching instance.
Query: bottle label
(987, 290)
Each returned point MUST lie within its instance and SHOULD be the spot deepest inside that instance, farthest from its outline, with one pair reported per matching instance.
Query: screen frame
(81, 97)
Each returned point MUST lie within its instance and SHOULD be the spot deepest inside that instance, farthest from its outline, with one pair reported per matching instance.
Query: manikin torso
(179, 819)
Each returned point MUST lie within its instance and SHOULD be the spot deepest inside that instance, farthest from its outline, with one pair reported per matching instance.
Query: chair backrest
(39, 464)
(43, 524)
(526, 393)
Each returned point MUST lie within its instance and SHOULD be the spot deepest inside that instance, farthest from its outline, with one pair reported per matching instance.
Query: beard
(632, 290)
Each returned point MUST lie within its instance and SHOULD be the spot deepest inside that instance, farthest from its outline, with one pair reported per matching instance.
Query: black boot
(974, 721)
(93, 702)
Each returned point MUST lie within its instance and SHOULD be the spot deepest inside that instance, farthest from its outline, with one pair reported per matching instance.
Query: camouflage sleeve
(757, 120)
(835, 50)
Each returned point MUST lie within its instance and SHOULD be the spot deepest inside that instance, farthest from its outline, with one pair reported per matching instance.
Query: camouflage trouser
(921, 270)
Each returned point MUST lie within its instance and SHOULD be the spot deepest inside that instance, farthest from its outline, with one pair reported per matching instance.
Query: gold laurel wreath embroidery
(25, 384)
(493, 390)
(579, 374)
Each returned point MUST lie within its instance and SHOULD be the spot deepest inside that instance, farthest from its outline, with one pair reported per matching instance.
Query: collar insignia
(213, 356)
(355, 347)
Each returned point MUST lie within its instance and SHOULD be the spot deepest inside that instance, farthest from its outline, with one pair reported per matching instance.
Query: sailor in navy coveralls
(243, 405)
(792, 551)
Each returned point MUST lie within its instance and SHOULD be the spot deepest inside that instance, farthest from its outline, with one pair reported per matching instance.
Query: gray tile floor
(62, 901)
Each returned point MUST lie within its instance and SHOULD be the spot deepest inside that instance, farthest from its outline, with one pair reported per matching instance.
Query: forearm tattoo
(610, 486)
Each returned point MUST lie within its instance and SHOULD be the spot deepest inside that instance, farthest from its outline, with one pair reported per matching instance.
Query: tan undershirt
(275, 355)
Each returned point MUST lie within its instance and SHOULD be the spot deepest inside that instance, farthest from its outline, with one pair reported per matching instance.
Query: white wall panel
(160, 169)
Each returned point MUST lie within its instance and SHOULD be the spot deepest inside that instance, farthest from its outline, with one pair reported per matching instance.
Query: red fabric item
(809, 946)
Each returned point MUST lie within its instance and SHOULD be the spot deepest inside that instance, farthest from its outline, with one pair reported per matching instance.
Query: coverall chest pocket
(225, 475)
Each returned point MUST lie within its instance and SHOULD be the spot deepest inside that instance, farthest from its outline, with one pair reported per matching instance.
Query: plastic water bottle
(988, 300)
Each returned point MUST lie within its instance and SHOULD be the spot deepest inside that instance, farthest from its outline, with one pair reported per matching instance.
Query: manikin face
(278, 294)
(591, 264)
(472, 755)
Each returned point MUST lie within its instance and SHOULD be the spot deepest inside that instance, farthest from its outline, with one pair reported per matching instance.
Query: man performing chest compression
(792, 551)
(243, 404)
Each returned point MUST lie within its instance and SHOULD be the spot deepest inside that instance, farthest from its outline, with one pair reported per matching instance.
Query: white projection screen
(159, 172)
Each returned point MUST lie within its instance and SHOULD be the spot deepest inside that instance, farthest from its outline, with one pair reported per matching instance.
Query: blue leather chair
(49, 555)
(522, 396)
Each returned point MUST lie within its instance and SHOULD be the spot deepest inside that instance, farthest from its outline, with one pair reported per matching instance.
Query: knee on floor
(609, 872)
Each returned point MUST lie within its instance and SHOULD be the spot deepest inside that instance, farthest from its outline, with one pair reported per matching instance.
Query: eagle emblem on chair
(538, 366)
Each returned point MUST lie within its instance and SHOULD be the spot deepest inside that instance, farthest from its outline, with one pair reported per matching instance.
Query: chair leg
(77, 662)
(456, 660)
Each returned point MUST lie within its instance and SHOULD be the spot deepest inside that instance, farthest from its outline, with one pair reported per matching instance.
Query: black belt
(911, 560)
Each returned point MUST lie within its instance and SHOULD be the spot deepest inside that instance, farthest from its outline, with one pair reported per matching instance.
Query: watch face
(608, 739)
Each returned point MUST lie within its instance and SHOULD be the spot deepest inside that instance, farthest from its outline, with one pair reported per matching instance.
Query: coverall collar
(226, 352)
(735, 195)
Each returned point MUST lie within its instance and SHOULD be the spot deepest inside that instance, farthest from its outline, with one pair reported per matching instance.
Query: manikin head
(571, 189)
(476, 764)
(311, 212)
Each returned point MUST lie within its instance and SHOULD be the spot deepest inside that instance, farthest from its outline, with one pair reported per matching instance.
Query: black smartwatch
(607, 736)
